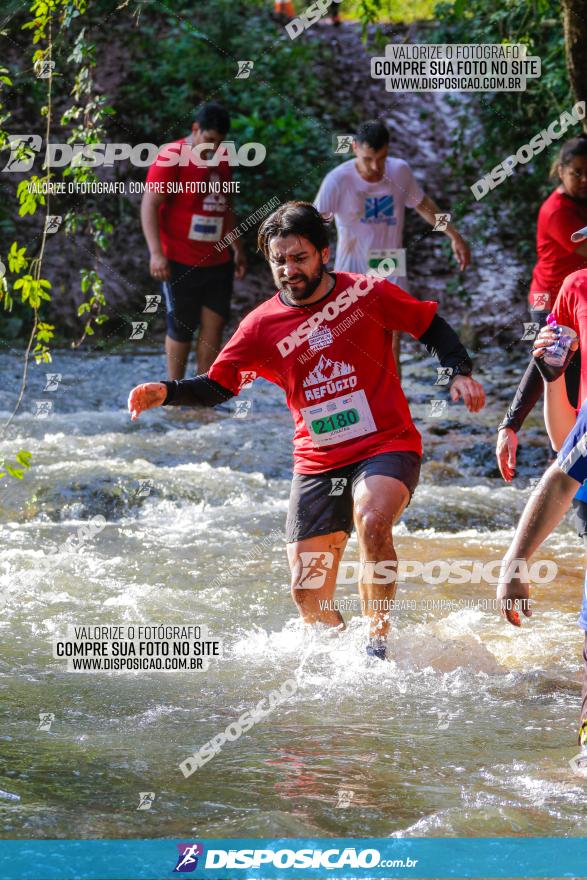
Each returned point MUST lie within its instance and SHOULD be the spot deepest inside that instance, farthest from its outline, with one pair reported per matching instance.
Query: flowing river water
(466, 731)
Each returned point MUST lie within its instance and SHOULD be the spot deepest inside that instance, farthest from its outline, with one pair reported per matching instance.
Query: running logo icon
(43, 68)
(247, 377)
(443, 720)
(53, 222)
(315, 567)
(345, 797)
(138, 329)
(144, 489)
(342, 143)
(338, 485)
(187, 860)
(243, 408)
(53, 380)
(441, 222)
(23, 148)
(436, 408)
(43, 408)
(46, 719)
(444, 375)
(152, 301)
(539, 301)
(530, 331)
(244, 69)
(146, 799)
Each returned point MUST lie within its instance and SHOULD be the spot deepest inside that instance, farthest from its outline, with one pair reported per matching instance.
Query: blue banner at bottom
(348, 858)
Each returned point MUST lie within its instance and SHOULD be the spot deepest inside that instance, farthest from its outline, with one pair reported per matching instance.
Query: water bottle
(555, 358)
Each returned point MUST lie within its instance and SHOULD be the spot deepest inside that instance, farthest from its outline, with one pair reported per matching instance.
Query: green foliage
(49, 19)
(373, 11)
(23, 458)
(284, 103)
(488, 127)
(44, 333)
(29, 196)
(87, 117)
(17, 259)
(92, 307)
(33, 290)
(491, 126)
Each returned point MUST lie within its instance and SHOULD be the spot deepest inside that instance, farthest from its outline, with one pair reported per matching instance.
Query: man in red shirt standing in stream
(185, 213)
(326, 339)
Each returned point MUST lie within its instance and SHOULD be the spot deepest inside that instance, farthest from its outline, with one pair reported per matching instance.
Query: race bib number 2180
(343, 418)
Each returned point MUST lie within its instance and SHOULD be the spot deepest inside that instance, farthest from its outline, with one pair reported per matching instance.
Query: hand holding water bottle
(553, 348)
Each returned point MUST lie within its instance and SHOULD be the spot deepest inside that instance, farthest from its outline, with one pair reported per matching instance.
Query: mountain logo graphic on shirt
(326, 370)
(378, 207)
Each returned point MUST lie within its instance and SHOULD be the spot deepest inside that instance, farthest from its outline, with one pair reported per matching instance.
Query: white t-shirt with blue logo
(369, 216)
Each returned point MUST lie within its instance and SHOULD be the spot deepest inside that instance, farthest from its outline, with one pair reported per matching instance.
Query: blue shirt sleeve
(572, 458)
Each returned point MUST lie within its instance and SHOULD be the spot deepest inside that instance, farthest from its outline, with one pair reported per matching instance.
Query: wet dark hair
(577, 146)
(294, 218)
(213, 117)
(373, 133)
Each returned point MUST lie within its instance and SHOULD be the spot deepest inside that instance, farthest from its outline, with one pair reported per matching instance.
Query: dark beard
(311, 286)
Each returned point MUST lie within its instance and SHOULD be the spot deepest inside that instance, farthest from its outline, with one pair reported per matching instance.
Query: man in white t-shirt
(368, 197)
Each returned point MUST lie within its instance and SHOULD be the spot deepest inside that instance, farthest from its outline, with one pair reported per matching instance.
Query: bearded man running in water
(326, 339)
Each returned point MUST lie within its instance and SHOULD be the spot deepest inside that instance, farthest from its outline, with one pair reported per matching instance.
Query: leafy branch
(90, 113)
(50, 18)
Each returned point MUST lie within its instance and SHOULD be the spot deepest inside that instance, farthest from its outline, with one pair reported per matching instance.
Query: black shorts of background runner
(192, 287)
(323, 503)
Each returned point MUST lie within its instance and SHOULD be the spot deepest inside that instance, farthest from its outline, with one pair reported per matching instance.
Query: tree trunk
(575, 28)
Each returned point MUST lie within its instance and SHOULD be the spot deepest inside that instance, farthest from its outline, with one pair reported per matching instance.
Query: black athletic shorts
(323, 503)
(192, 287)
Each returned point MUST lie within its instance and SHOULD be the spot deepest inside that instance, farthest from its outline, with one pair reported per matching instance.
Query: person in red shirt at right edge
(563, 212)
(565, 481)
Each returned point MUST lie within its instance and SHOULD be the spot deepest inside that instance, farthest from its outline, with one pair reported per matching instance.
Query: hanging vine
(86, 116)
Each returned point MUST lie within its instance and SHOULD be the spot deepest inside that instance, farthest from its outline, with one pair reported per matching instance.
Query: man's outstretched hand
(470, 390)
(144, 397)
